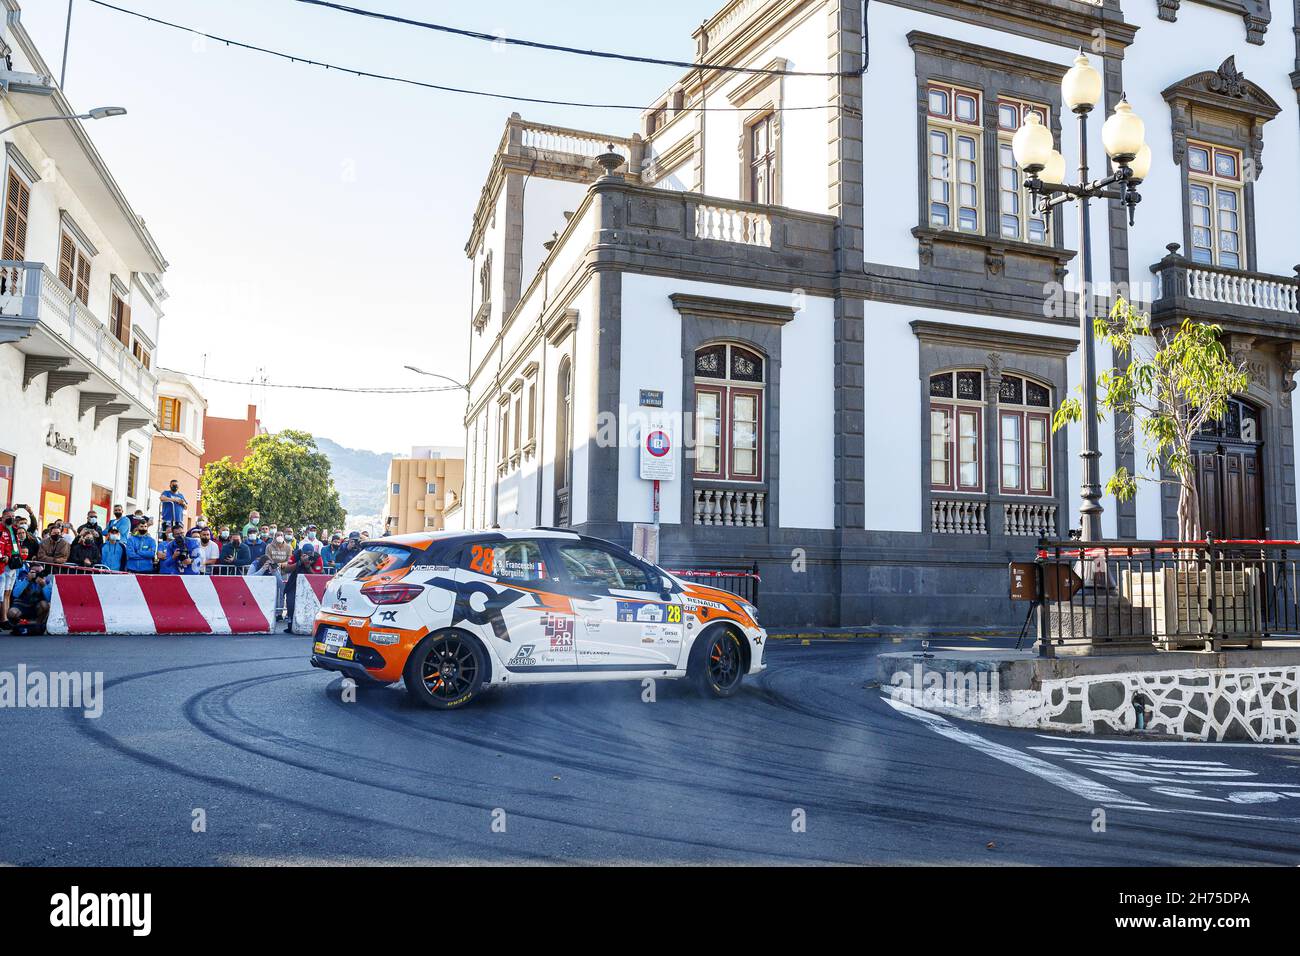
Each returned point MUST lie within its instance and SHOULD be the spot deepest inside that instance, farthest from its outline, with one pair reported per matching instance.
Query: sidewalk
(894, 632)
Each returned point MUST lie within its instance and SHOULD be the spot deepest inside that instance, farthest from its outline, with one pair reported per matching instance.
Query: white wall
(651, 358)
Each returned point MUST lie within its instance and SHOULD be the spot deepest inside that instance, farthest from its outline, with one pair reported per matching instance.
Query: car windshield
(377, 559)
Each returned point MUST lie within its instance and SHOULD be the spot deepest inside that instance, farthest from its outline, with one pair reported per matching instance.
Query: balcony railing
(733, 224)
(30, 290)
(730, 507)
(1214, 293)
(1029, 520)
(959, 516)
(79, 327)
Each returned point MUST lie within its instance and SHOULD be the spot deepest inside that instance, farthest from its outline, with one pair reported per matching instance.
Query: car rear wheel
(445, 671)
(717, 663)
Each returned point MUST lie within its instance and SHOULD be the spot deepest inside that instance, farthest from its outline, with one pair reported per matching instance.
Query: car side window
(505, 560)
(598, 568)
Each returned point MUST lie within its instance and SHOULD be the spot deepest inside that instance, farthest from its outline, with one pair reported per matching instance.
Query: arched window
(1024, 436)
(729, 383)
(957, 430)
(563, 438)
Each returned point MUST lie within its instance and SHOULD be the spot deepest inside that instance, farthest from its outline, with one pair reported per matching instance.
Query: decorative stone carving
(994, 260)
(1224, 91)
(1255, 13)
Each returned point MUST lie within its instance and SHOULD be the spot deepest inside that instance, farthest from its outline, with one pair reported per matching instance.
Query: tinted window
(596, 567)
(505, 560)
(377, 559)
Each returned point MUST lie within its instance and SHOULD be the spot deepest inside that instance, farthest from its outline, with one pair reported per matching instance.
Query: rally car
(453, 613)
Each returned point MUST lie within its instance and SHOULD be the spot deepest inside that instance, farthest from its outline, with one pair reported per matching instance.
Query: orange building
(229, 437)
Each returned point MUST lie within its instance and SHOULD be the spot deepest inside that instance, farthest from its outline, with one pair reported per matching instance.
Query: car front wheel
(717, 663)
(445, 671)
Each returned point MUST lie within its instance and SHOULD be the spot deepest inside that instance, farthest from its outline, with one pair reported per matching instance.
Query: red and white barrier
(306, 602)
(161, 604)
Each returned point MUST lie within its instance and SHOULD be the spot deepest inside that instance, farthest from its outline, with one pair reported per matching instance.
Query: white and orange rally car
(455, 612)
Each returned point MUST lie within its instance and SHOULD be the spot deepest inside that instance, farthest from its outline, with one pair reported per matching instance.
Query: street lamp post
(99, 112)
(1122, 135)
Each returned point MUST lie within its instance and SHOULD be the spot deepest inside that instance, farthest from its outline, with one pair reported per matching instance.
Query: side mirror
(665, 587)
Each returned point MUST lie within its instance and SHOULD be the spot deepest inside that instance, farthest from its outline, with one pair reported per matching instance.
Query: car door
(507, 590)
(624, 623)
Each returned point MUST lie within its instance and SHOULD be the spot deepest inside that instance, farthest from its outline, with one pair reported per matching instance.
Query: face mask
(225, 535)
(279, 539)
(112, 536)
(68, 538)
(93, 519)
(255, 521)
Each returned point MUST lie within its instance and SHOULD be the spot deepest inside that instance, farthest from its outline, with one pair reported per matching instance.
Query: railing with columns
(1179, 277)
(1029, 519)
(730, 507)
(733, 224)
(959, 516)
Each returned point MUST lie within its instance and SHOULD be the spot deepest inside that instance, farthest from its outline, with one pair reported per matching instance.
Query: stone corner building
(833, 288)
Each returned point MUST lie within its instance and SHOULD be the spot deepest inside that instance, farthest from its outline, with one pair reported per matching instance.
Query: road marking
(1094, 791)
(1065, 779)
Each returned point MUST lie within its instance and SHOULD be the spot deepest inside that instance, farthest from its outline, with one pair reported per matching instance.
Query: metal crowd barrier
(1173, 594)
(742, 582)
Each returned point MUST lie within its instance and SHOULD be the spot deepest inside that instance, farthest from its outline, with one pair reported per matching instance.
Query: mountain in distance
(362, 480)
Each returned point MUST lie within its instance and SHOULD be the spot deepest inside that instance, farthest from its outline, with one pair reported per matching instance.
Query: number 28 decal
(674, 614)
(481, 559)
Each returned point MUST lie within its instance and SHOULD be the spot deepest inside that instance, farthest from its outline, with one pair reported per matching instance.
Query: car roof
(424, 539)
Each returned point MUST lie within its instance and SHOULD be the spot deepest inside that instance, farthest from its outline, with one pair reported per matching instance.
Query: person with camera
(306, 560)
(181, 555)
(30, 604)
(235, 554)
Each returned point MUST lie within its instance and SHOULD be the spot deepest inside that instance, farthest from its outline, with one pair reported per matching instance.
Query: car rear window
(377, 559)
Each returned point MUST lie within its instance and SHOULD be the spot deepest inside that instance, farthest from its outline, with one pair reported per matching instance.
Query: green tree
(1173, 384)
(283, 476)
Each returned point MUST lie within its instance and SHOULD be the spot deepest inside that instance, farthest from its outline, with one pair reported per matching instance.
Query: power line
(260, 383)
(368, 74)
(557, 48)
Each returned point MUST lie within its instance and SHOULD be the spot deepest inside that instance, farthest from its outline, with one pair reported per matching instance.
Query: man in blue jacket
(181, 555)
(141, 550)
(113, 554)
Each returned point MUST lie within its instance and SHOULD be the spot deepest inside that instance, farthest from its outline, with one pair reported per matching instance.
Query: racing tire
(717, 663)
(445, 671)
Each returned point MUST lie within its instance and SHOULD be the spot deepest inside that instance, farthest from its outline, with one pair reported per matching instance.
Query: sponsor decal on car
(641, 611)
(559, 628)
(695, 603)
(523, 657)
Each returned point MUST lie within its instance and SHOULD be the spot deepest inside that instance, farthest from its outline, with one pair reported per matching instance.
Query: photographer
(31, 601)
(182, 554)
(306, 560)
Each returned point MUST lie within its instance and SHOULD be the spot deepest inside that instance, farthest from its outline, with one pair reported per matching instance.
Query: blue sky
(315, 222)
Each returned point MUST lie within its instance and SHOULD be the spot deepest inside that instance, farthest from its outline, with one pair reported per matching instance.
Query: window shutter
(17, 203)
(83, 280)
(67, 262)
(125, 335)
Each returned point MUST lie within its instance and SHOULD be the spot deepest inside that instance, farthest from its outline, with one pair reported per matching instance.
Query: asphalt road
(284, 770)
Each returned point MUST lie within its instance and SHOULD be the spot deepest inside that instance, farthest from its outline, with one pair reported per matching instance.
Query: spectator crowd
(174, 545)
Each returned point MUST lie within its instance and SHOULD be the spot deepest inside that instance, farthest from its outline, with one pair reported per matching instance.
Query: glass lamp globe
(1054, 171)
(1123, 133)
(1081, 85)
(1032, 144)
(1141, 164)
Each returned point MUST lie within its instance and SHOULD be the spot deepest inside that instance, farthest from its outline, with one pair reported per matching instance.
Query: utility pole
(67, 33)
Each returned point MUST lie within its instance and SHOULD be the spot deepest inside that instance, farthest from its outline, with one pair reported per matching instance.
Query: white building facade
(80, 307)
(831, 291)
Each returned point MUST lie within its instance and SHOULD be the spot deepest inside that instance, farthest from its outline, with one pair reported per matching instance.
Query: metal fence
(1172, 594)
(742, 582)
